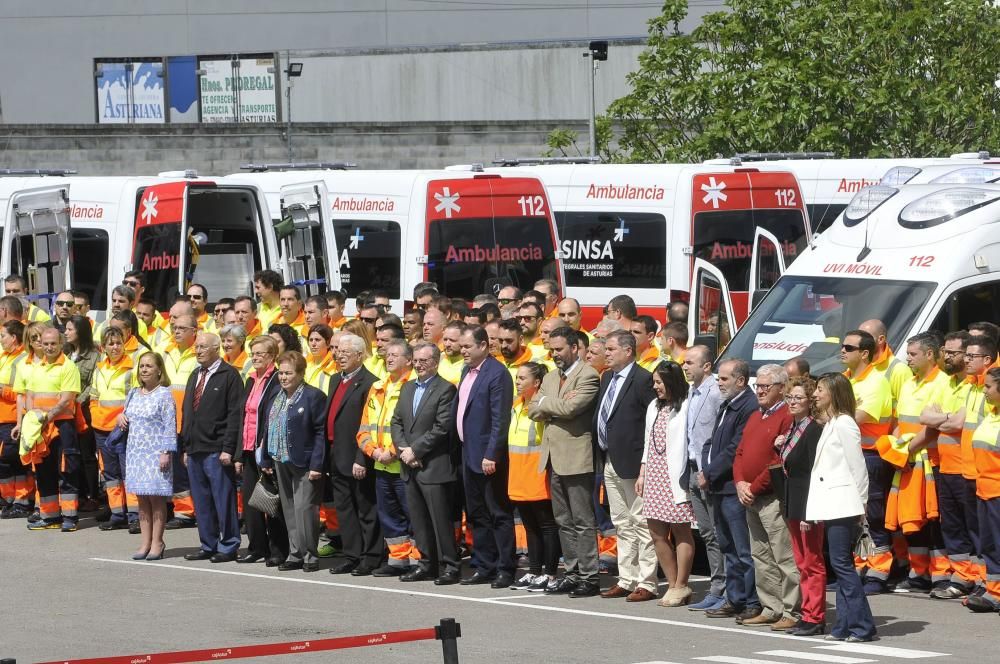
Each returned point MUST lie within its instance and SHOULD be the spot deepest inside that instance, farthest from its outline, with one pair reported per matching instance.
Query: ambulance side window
(90, 265)
(629, 248)
(369, 255)
(969, 304)
(822, 216)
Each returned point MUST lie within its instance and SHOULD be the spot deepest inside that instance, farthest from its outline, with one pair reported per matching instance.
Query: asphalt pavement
(79, 595)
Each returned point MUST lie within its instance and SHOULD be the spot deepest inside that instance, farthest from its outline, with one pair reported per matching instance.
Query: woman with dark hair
(663, 481)
(838, 491)
(81, 349)
(286, 336)
(128, 322)
(320, 365)
(797, 450)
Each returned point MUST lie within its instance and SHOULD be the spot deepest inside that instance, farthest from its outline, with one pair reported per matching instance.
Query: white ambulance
(469, 233)
(640, 228)
(917, 257)
(84, 232)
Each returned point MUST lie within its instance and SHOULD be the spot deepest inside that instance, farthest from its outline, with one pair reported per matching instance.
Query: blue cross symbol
(621, 231)
(356, 238)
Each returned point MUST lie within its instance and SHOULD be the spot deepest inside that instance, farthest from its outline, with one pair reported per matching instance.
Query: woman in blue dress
(151, 419)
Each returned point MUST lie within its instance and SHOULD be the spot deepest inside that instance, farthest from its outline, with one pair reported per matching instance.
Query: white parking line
(815, 657)
(478, 600)
(883, 651)
(729, 659)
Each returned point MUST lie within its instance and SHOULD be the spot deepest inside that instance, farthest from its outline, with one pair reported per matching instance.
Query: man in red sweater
(777, 577)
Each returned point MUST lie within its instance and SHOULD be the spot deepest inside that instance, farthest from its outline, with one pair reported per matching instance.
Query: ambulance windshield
(466, 257)
(808, 316)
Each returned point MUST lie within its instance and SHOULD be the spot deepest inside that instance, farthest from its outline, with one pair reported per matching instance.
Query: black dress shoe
(727, 610)
(858, 639)
(113, 525)
(448, 578)
(503, 580)
(389, 570)
(565, 586)
(345, 567)
(201, 555)
(310, 567)
(807, 629)
(417, 574)
(363, 569)
(134, 528)
(585, 589)
(288, 566)
(177, 524)
(273, 562)
(477, 579)
(249, 558)
(223, 558)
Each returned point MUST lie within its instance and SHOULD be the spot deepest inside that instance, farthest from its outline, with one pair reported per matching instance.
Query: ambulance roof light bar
(187, 174)
(37, 171)
(772, 156)
(299, 166)
(539, 161)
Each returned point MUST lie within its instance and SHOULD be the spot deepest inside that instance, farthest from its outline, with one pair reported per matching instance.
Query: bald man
(896, 371)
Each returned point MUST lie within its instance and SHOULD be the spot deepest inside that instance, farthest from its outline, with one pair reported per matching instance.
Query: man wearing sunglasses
(874, 417)
(63, 308)
(136, 280)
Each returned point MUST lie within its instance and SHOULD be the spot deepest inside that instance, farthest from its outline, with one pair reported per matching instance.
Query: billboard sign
(242, 89)
(130, 92)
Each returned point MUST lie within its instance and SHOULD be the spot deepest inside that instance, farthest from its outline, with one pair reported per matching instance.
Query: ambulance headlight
(865, 202)
(899, 175)
(968, 175)
(943, 206)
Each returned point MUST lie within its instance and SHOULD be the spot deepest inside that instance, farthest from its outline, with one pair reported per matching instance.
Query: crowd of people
(399, 445)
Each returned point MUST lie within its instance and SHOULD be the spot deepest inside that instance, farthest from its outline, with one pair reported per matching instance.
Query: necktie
(602, 420)
(199, 389)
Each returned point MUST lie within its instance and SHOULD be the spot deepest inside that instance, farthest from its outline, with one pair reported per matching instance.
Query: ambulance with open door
(469, 233)
(85, 232)
(917, 257)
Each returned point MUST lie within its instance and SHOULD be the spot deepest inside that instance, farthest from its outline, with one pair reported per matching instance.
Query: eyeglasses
(849, 348)
(131, 284)
(184, 327)
(764, 387)
(975, 355)
(370, 321)
(220, 311)
(260, 353)
(527, 317)
(954, 353)
(504, 301)
(65, 303)
(794, 398)
(196, 297)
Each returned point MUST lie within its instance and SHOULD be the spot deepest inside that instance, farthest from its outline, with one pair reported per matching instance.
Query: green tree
(855, 77)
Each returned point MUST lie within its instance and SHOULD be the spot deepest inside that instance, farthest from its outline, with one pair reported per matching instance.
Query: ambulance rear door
(766, 264)
(41, 241)
(307, 242)
(710, 321)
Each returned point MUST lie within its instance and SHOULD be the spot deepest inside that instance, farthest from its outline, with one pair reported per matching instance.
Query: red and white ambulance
(469, 233)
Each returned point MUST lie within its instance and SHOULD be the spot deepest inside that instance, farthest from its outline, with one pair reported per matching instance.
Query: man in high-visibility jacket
(452, 361)
(513, 352)
(122, 299)
(266, 286)
(874, 418)
(315, 313)
(335, 301)
(180, 360)
(50, 390)
(198, 297)
(647, 354)
(529, 315)
(956, 495)
(112, 379)
(246, 315)
(375, 441)
(136, 280)
(549, 289)
(673, 342)
(292, 314)
(986, 455)
(15, 285)
(17, 483)
(895, 370)
(912, 506)
(433, 328)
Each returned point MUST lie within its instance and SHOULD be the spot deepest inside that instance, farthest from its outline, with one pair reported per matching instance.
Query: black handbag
(265, 496)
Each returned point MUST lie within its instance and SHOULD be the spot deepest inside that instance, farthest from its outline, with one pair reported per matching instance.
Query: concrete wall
(222, 149)
(48, 47)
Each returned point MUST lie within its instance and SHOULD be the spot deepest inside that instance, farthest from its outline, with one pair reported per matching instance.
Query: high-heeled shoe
(141, 555)
(676, 597)
(158, 556)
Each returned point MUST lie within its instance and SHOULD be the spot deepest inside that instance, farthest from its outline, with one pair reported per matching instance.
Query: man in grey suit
(421, 431)
(565, 403)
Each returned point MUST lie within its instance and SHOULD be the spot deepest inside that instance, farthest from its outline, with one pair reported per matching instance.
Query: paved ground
(79, 595)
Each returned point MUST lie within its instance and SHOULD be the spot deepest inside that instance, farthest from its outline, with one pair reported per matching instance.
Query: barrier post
(447, 633)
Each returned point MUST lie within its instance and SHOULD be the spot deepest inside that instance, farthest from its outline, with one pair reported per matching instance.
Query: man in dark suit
(421, 431)
(352, 478)
(209, 436)
(716, 478)
(482, 420)
(619, 429)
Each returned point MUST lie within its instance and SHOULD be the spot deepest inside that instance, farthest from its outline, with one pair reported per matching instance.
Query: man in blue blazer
(482, 418)
(716, 478)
